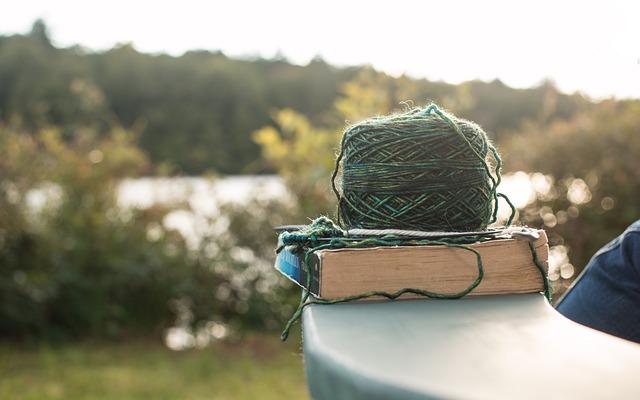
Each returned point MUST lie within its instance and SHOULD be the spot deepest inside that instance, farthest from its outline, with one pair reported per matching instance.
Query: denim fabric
(607, 295)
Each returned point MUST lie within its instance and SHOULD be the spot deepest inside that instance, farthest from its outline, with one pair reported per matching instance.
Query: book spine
(293, 267)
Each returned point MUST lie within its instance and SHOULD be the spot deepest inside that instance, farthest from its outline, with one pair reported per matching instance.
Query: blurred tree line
(196, 112)
(75, 263)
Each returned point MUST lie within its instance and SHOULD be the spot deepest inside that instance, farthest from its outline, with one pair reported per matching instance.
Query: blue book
(291, 265)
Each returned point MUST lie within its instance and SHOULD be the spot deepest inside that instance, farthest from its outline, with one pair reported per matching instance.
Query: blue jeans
(606, 296)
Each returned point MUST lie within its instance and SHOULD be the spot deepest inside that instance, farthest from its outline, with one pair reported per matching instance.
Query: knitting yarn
(423, 169)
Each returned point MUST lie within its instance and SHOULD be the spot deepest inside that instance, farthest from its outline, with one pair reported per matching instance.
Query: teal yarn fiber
(423, 169)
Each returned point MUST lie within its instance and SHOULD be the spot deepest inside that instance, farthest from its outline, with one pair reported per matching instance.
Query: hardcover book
(508, 268)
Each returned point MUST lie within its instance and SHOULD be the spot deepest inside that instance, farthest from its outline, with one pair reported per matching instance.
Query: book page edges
(508, 268)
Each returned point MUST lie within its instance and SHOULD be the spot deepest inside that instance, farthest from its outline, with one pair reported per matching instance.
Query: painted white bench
(489, 347)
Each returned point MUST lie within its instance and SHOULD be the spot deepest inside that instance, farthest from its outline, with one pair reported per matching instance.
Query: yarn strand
(309, 241)
(319, 228)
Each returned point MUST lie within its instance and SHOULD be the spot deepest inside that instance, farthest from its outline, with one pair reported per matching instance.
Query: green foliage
(303, 156)
(74, 263)
(593, 162)
(196, 112)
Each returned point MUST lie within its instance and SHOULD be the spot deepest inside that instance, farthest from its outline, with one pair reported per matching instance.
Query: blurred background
(147, 150)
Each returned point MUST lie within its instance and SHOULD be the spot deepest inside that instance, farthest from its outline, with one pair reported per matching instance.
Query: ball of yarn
(422, 169)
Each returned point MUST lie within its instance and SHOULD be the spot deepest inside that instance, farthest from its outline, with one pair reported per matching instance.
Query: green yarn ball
(422, 169)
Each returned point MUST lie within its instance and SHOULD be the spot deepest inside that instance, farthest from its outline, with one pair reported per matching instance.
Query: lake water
(202, 197)
(205, 196)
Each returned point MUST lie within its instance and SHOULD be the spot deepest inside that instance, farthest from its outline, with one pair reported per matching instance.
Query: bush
(74, 263)
(591, 162)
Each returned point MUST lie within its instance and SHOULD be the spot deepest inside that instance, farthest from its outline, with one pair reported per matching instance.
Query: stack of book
(508, 268)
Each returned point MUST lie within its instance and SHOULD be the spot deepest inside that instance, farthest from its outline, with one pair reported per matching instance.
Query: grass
(257, 367)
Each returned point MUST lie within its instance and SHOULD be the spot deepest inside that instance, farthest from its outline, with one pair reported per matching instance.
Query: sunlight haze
(581, 46)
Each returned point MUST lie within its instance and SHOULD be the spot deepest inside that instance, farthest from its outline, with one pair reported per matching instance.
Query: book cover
(508, 268)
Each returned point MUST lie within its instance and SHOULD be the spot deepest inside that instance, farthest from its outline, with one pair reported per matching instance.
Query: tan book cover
(508, 268)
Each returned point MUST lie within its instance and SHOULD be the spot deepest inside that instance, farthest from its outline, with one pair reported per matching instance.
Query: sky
(586, 46)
